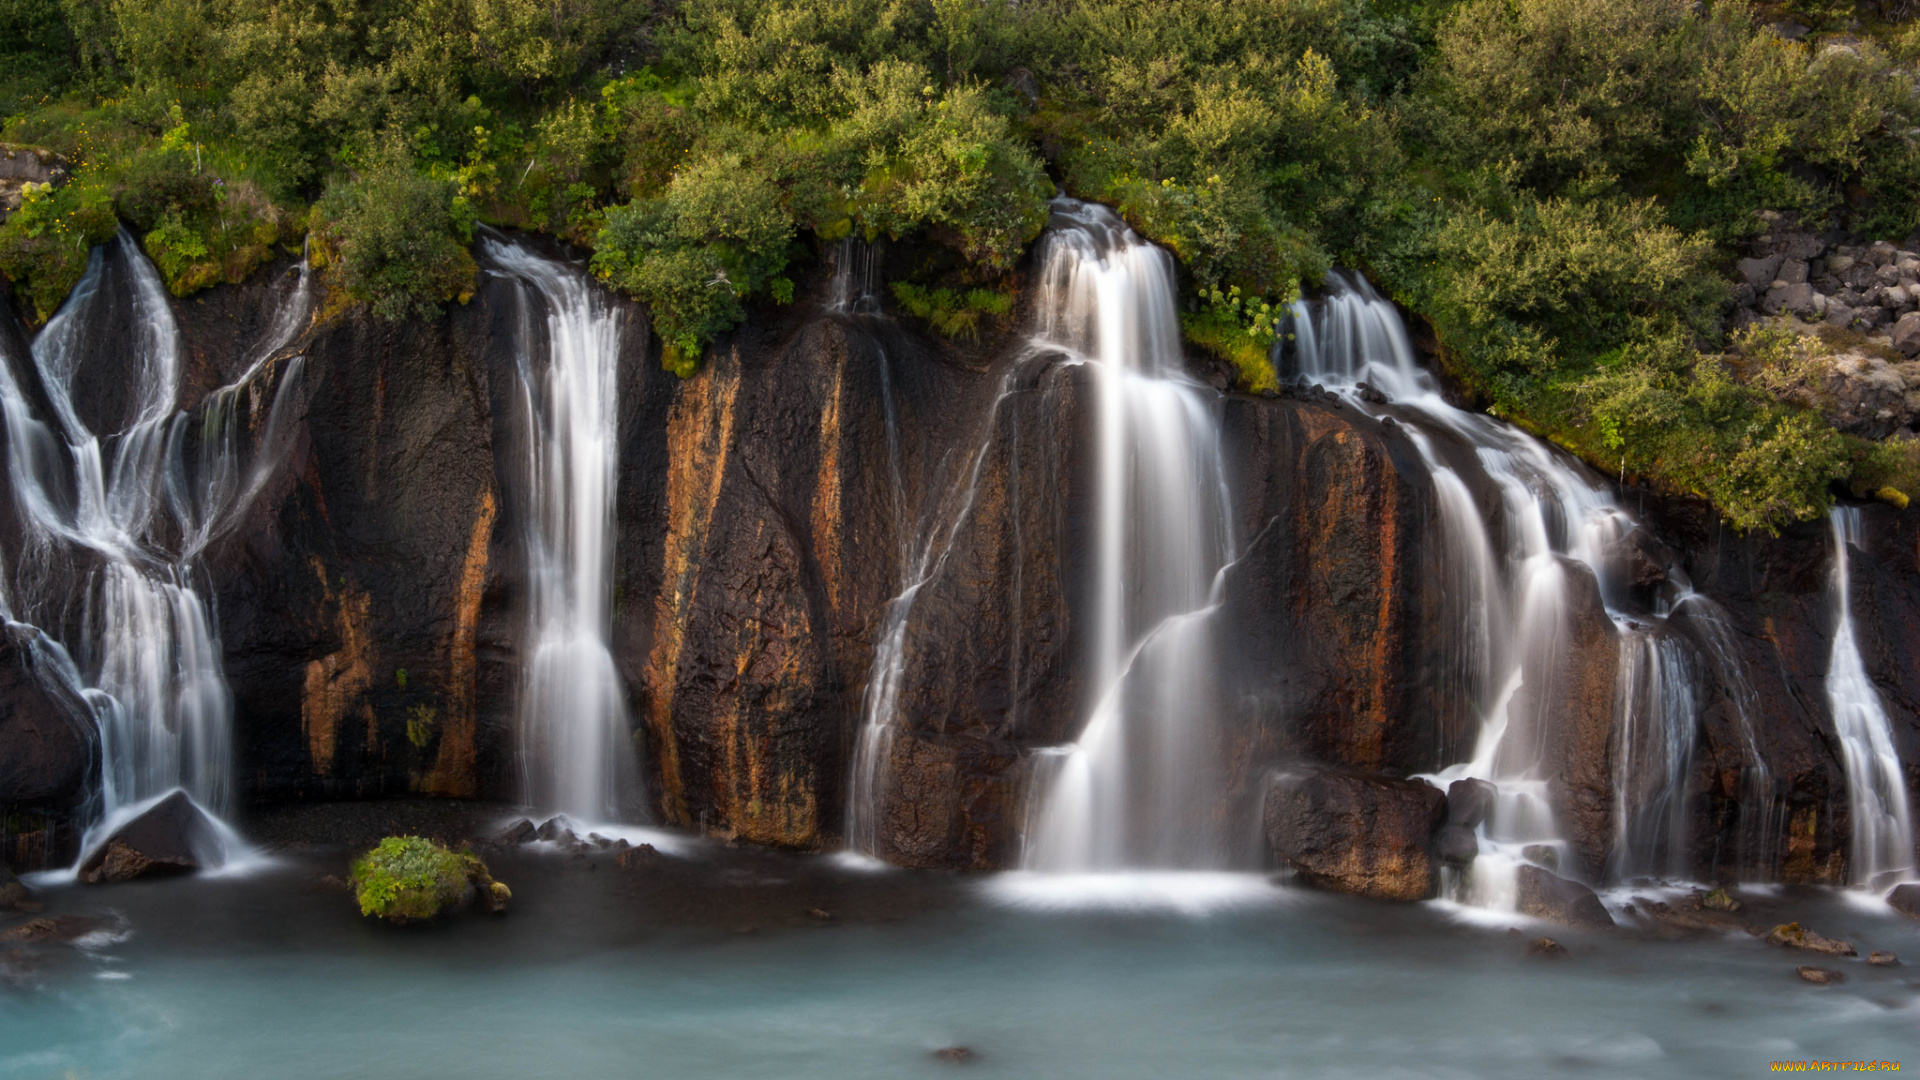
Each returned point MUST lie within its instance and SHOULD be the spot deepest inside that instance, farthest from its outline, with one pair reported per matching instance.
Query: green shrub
(953, 313)
(1240, 330)
(410, 879)
(44, 245)
(397, 240)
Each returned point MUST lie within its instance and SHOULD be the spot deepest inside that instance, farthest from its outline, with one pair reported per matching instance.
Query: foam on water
(1189, 893)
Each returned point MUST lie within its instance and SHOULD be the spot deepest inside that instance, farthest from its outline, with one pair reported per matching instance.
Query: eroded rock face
(1365, 835)
(771, 507)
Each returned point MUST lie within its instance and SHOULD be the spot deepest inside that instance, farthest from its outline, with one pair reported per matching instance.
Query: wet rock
(520, 832)
(1365, 835)
(46, 745)
(1470, 801)
(1882, 959)
(554, 829)
(1718, 900)
(958, 1055)
(172, 837)
(58, 929)
(1573, 713)
(1542, 855)
(1794, 936)
(1554, 898)
(1457, 846)
(1905, 899)
(1820, 976)
(1545, 946)
(636, 857)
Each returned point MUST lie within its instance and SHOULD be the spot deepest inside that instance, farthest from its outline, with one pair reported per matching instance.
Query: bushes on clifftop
(396, 240)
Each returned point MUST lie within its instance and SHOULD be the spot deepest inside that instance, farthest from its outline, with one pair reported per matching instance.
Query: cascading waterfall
(1656, 726)
(128, 514)
(1507, 580)
(576, 742)
(1134, 791)
(1882, 849)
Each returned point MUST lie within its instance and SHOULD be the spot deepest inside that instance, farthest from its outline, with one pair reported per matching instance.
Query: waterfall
(1882, 849)
(1656, 725)
(115, 523)
(1506, 580)
(856, 278)
(576, 742)
(1136, 789)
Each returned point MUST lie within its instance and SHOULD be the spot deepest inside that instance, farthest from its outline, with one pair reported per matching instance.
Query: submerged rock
(1794, 936)
(1718, 900)
(1882, 959)
(1549, 896)
(959, 1055)
(1545, 946)
(1365, 835)
(59, 929)
(1820, 976)
(173, 837)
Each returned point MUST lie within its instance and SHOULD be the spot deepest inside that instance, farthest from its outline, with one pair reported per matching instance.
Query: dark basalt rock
(1548, 896)
(1365, 835)
(1469, 802)
(47, 746)
(768, 510)
(171, 837)
(1905, 899)
(1457, 846)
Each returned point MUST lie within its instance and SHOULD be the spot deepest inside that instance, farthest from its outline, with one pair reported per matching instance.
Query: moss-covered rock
(408, 879)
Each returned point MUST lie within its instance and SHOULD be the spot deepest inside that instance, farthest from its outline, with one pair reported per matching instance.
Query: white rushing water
(1882, 850)
(1507, 576)
(1135, 790)
(114, 524)
(577, 749)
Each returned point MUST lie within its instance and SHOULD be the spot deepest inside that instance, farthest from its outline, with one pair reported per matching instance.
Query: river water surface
(749, 964)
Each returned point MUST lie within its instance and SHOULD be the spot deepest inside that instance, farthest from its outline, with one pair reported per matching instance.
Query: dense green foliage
(1559, 185)
(408, 879)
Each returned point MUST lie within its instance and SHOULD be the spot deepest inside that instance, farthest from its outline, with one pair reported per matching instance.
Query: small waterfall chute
(577, 753)
(1882, 850)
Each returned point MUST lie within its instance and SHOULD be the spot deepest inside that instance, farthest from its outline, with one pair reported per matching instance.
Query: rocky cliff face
(771, 507)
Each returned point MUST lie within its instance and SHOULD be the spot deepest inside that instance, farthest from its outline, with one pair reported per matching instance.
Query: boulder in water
(1820, 976)
(1905, 899)
(1360, 834)
(1549, 896)
(1470, 802)
(958, 1055)
(172, 837)
(1879, 958)
(1793, 936)
(410, 879)
(1545, 946)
